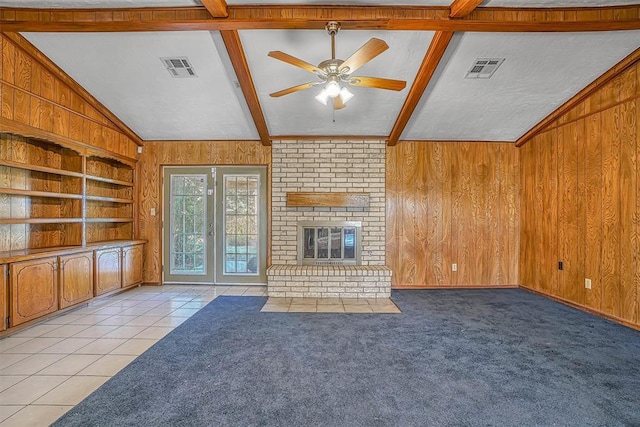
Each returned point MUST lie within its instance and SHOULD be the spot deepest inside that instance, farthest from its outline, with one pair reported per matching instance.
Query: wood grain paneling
(595, 147)
(37, 95)
(174, 153)
(450, 202)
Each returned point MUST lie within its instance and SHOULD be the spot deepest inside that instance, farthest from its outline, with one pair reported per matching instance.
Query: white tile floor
(48, 368)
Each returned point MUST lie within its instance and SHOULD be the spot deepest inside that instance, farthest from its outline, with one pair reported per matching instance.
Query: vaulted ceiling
(551, 51)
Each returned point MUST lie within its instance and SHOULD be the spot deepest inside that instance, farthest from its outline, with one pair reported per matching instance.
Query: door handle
(210, 233)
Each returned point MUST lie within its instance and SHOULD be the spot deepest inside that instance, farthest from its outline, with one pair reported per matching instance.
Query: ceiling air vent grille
(483, 68)
(179, 67)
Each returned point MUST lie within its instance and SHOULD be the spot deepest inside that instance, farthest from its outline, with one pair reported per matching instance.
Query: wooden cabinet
(34, 289)
(4, 298)
(108, 270)
(66, 212)
(75, 278)
(131, 265)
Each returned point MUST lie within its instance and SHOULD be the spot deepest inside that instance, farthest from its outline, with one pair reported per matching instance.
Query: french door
(214, 225)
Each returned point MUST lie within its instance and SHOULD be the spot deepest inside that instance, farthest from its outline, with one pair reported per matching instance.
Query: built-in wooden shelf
(109, 199)
(39, 220)
(110, 181)
(98, 220)
(38, 168)
(32, 193)
(327, 199)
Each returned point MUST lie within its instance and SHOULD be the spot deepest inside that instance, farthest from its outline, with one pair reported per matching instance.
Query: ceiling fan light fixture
(334, 73)
(332, 88)
(345, 95)
(323, 97)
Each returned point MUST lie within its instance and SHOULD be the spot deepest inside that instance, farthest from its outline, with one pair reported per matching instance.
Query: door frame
(209, 277)
(264, 171)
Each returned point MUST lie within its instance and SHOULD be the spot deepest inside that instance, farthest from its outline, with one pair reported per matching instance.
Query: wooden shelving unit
(66, 227)
(109, 200)
(53, 196)
(41, 194)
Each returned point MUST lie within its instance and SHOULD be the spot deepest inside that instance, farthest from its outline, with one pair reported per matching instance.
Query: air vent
(483, 68)
(179, 67)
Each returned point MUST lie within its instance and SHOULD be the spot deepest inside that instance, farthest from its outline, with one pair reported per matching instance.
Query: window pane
(187, 218)
(241, 224)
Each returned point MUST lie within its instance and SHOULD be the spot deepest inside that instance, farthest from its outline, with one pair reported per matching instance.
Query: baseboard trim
(400, 287)
(583, 308)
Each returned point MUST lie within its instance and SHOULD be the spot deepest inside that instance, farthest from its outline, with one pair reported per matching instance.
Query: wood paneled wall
(452, 202)
(35, 102)
(580, 203)
(155, 155)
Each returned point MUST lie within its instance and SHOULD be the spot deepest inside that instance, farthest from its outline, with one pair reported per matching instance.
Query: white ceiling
(181, 3)
(369, 112)
(124, 72)
(541, 71)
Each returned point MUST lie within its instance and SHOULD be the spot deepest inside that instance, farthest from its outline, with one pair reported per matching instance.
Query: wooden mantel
(327, 199)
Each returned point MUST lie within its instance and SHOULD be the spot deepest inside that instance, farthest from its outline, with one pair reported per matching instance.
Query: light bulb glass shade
(345, 95)
(322, 97)
(332, 88)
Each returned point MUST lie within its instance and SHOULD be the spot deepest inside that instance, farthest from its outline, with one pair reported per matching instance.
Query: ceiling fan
(334, 73)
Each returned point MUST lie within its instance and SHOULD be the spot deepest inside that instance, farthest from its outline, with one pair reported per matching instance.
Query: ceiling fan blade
(296, 62)
(293, 89)
(366, 53)
(378, 83)
(338, 104)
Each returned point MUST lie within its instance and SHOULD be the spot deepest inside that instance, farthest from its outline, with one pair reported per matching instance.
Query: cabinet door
(4, 295)
(76, 278)
(34, 286)
(107, 270)
(131, 265)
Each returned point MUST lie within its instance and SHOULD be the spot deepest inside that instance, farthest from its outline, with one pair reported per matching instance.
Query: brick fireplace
(335, 166)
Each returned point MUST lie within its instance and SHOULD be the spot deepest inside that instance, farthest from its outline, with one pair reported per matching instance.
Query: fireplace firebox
(329, 243)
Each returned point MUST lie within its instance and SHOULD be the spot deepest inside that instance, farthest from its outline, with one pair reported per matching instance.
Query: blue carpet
(453, 357)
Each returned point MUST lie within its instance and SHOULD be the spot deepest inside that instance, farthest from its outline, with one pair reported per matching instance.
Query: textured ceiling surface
(125, 73)
(369, 112)
(540, 72)
(180, 3)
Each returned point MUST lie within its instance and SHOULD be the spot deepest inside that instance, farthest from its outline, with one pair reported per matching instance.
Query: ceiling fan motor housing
(332, 27)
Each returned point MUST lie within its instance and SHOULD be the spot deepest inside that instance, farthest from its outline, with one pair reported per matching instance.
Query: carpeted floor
(453, 357)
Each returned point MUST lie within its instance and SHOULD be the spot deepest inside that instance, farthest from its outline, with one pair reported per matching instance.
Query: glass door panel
(243, 229)
(188, 225)
(215, 225)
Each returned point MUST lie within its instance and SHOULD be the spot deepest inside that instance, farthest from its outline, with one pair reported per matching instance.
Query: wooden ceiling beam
(217, 8)
(239, 61)
(431, 60)
(301, 17)
(461, 8)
